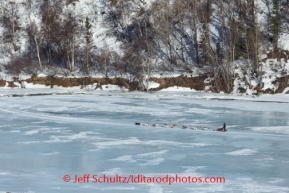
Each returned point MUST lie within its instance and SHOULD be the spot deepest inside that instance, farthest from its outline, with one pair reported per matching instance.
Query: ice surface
(43, 138)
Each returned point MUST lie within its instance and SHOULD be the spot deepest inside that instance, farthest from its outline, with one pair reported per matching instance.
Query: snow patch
(178, 88)
(125, 158)
(152, 84)
(284, 41)
(244, 152)
(47, 154)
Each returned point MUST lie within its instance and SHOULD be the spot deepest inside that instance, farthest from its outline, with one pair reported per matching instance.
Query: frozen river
(44, 138)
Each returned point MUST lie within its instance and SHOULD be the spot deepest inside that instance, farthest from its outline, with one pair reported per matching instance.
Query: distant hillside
(234, 46)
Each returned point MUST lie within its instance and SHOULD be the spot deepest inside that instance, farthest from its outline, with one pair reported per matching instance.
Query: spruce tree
(275, 26)
(88, 33)
(88, 45)
(204, 44)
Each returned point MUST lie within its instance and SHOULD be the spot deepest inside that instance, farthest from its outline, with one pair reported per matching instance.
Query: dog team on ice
(222, 129)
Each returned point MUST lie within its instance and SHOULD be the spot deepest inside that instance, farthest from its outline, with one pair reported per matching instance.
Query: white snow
(284, 41)
(178, 88)
(242, 152)
(152, 84)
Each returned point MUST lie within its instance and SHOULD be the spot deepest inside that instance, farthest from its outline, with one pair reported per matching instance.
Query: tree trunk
(72, 57)
(105, 68)
(37, 49)
(13, 32)
(195, 37)
(68, 62)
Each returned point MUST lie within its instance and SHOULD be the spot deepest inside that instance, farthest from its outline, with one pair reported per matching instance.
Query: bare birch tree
(36, 35)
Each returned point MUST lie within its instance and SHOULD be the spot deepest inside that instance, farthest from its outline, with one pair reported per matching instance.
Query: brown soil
(283, 83)
(196, 83)
(278, 54)
(268, 91)
(70, 82)
(2, 83)
(11, 84)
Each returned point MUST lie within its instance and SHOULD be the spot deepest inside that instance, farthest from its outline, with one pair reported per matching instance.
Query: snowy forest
(235, 44)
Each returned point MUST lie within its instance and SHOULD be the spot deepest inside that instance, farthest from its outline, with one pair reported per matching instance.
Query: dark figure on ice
(223, 128)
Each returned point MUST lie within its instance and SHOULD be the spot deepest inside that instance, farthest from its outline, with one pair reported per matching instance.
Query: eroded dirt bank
(196, 83)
